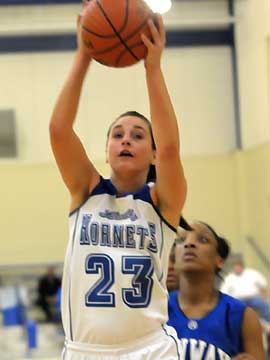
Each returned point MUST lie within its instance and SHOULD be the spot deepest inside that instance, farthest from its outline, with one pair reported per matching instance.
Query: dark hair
(151, 176)
(223, 247)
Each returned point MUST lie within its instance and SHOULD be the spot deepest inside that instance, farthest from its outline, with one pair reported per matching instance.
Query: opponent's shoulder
(233, 310)
(232, 301)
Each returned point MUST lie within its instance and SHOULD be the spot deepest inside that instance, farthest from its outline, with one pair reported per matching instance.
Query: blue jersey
(217, 336)
(114, 280)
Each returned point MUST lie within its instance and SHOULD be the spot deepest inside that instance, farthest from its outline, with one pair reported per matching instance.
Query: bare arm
(251, 338)
(76, 169)
(171, 184)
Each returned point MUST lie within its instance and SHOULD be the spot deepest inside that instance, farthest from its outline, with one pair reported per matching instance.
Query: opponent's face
(197, 251)
(129, 146)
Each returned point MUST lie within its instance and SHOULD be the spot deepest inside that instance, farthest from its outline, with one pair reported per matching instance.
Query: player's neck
(196, 289)
(128, 183)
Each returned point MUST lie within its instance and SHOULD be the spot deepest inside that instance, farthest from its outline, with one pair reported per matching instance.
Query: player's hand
(243, 356)
(81, 47)
(79, 38)
(156, 46)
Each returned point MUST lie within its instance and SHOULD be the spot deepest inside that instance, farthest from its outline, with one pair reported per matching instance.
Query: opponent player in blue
(114, 297)
(210, 324)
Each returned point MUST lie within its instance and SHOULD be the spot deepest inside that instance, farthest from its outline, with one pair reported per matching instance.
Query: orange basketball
(111, 29)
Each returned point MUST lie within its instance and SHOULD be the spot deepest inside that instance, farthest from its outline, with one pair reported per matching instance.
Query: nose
(126, 140)
(190, 242)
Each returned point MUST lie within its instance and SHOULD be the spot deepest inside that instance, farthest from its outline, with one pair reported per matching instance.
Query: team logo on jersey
(115, 215)
(118, 235)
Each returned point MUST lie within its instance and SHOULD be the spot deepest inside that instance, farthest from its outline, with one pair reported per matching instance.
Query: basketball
(111, 30)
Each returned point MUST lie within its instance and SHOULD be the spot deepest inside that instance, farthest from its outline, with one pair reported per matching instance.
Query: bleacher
(24, 333)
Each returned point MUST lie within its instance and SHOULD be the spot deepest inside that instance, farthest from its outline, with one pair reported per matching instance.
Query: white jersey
(114, 281)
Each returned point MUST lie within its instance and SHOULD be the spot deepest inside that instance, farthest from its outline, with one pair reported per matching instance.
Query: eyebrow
(135, 127)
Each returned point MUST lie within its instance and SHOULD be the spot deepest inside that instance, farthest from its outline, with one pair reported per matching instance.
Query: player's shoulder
(232, 302)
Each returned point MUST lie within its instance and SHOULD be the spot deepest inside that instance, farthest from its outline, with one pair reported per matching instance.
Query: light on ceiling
(159, 6)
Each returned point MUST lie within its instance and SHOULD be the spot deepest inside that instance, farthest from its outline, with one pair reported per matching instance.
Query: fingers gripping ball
(111, 30)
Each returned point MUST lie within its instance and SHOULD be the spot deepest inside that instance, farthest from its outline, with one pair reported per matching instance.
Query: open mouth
(125, 153)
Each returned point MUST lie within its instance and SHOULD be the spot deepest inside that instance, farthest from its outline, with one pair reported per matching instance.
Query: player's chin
(189, 266)
(126, 168)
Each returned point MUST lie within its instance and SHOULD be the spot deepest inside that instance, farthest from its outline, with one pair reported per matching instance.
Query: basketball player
(210, 324)
(114, 303)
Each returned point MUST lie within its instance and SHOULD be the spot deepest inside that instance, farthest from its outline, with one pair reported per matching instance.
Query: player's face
(196, 251)
(129, 146)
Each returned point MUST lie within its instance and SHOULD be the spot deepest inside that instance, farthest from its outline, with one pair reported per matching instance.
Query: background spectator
(48, 286)
(248, 285)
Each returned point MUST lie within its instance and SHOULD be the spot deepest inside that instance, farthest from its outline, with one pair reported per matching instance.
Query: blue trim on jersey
(105, 186)
(221, 327)
(69, 300)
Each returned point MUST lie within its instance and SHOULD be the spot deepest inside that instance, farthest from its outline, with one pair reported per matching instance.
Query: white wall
(188, 14)
(203, 99)
(252, 34)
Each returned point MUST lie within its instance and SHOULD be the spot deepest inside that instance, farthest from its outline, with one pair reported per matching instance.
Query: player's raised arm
(76, 169)
(171, 184)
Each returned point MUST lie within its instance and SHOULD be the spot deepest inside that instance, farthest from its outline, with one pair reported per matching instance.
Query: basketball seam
(108, 36)
(123, 52)
(116, 32)
(125, 38)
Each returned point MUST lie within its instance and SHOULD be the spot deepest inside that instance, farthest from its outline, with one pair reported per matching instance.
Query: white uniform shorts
(162, 345)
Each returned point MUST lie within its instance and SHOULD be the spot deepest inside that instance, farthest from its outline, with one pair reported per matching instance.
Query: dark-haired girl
(114, 303)
(209, 324)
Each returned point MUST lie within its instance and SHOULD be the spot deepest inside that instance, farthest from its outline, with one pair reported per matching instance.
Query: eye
(203, 239)
(180, 240)
(138, 136)
(117, 135)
